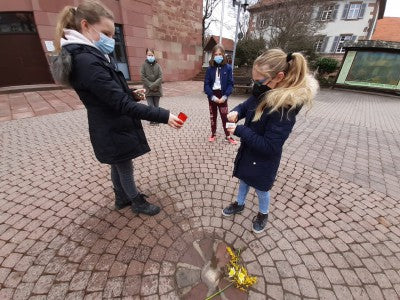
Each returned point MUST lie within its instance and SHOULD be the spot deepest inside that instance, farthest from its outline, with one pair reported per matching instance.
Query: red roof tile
(227, 43)
(387, 29)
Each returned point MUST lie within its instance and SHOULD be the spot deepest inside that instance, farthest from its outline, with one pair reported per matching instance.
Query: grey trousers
(153, 101)
(122, 178)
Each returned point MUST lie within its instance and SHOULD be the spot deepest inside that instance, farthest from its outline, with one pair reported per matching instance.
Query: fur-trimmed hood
(61, 64)
(312, 85)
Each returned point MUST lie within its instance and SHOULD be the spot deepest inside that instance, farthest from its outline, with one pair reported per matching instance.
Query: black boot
(232, 209)
(121, 200)
(259, 222)
(140, 205)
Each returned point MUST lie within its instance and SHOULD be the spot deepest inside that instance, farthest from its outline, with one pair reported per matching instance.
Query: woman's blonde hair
(297, 88)
(70, 18)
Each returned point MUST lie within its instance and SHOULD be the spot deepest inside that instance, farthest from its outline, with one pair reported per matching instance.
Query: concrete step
(30, 88)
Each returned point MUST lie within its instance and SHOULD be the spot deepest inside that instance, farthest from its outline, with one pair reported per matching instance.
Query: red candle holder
(182, 117)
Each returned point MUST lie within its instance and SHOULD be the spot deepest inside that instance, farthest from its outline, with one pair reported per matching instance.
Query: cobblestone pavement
(333, 231)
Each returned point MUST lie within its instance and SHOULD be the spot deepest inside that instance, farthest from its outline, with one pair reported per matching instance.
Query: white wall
(206, 60)
(354, 27)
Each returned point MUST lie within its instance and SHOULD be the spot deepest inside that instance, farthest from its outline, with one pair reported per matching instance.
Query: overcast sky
(229, 19)
(392, 10)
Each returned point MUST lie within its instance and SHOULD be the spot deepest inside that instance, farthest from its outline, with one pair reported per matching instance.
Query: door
(119, 53)
(22, 59)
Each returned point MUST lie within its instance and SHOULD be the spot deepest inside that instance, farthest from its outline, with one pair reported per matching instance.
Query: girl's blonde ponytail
(298, 87)
(66, 19)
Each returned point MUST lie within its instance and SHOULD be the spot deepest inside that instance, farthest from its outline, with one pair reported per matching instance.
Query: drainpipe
(371, 32)
(222, 22)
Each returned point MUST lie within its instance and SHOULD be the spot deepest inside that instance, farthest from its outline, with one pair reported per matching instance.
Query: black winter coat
(259, 154)
(115, 128)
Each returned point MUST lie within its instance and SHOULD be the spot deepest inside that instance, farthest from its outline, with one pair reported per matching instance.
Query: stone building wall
(171, 27)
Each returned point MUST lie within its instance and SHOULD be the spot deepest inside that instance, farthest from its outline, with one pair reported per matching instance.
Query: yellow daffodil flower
(237, 273)
(232, 272)
(241, 276)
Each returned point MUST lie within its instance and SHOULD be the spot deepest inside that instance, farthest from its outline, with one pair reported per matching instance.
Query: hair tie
(289, 57)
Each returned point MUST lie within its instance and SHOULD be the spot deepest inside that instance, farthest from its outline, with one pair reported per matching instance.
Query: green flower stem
(219, 292)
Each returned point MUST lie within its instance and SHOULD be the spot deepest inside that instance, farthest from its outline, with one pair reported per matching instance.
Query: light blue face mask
(151, 59)
(218, 59)
(105, 44)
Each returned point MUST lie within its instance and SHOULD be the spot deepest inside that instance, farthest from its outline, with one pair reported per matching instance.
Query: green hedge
(327, 65)
(247, 50)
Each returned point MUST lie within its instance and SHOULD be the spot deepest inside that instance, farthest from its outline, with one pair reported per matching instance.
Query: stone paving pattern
(14, 106)
(333, 231)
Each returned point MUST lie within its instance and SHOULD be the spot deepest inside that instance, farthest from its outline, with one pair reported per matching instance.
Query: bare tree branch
(290, 25)
(208, 9)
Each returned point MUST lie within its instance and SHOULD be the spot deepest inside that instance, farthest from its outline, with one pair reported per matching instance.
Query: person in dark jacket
(151, 74)
(282, 87)
(218, 86)
(83, 43)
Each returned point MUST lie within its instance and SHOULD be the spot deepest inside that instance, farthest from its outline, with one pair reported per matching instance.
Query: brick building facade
(171, 27)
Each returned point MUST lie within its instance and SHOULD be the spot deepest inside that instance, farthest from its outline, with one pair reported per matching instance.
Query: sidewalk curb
(43, 87)
(31, 88)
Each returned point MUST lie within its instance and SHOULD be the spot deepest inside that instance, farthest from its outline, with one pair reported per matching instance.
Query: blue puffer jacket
(226, 81)
(259, 154)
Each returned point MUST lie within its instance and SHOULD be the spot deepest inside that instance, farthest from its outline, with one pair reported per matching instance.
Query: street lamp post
(240, 5)
(222, 22)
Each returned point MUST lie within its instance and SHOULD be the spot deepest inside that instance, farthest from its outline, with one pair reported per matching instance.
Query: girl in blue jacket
(218, 85)
(282, 86)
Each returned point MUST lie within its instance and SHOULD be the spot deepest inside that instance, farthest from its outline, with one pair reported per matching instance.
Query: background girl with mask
(218, 85)
(282, 86)
(83, 43)
(151, 74)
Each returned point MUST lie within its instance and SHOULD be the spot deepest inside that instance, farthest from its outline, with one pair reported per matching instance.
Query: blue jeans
(263, 197)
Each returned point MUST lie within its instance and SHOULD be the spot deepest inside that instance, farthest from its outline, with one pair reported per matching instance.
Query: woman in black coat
(282, 86)
(84, 42)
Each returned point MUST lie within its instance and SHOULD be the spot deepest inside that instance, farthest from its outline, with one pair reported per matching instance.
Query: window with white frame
(342, 40)
(319, 43)
(327, 12)
(354, 11)
(262, 23)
